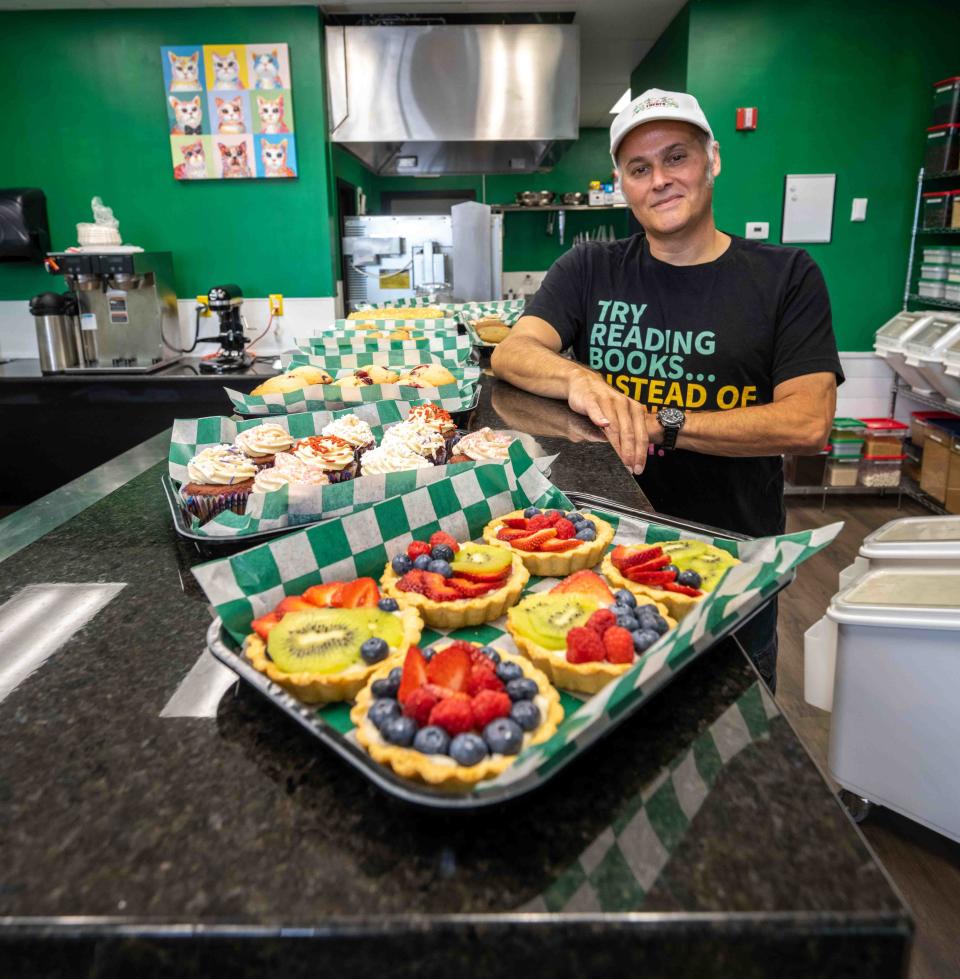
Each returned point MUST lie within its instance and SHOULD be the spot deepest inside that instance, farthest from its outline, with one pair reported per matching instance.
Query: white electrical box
(808, 207)
(758, 229)
(858, 212)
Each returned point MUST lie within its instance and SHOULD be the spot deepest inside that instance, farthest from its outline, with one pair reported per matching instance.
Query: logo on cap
(662, 102)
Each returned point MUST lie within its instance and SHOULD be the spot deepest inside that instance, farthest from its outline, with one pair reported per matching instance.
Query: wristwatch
(671, 421)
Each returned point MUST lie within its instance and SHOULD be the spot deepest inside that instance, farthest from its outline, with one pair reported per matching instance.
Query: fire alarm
(746, 118)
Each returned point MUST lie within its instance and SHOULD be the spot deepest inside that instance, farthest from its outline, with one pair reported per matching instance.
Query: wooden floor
(924, 865)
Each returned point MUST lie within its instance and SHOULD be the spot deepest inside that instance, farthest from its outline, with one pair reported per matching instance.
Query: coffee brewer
(226, 301)
(126, 310)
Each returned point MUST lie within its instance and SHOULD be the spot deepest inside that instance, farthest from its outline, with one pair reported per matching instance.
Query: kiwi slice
(481, 559)
(546, 619)
(328, 640)
(711, 565)
(681, 551)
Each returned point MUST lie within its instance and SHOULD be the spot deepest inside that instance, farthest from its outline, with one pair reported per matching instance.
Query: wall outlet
(276, 304)
(858, 212)
(758, 229)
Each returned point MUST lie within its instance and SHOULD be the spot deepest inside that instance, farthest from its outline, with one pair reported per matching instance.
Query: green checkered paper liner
(454, 348)
(509, 310)
(292, 506)
(330, 397)
(348, 328)
(333, 361)
(360, 544)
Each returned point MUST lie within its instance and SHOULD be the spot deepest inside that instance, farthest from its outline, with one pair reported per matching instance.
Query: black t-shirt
(714, 336)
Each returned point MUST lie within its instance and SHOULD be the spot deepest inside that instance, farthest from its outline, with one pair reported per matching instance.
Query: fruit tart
(453, 585)
(323, 645)
(675, 573)
(455, 714)
(551, 543)
(581, 635)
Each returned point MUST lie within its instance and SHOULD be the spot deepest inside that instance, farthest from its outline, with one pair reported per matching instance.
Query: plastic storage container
(943, 148)
(936, 457)
(884, 436)
(924, 352)
(946, 101)
(931, 290)
(842, 472)
(936, 208)
(938, 256)
(895, 725)
(805, 470)
(919, 420)
(951, 370)
(880, 471)
(934, 273)
(955, 209)
(952, 502)
(952, 292)
(890, 338)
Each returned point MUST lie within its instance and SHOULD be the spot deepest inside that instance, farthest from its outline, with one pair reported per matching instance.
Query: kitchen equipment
(24, 232)
(226, 301)
(895, 726)
(890, 338)
(545, 197)
(56, 321)
(126, 306)
(924, 352)
(575, 197)
(526, 198)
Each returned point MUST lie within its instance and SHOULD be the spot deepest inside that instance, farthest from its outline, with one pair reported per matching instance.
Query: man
(703, 356)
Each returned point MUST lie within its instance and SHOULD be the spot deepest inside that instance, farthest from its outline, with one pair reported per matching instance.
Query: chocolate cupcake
(354, 430)
(430, 417)
(219, 478)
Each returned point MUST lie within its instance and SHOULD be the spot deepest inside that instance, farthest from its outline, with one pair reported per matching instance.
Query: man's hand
(622, 419)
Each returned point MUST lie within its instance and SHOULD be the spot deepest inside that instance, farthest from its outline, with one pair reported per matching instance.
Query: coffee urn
(55, 316)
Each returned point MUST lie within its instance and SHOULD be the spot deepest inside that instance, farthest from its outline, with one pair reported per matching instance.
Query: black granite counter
(160, 820)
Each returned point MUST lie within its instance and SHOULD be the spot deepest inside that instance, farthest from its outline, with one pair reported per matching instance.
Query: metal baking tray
(222, 647)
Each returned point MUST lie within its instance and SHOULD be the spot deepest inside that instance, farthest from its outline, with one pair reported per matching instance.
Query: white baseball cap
(654, 104)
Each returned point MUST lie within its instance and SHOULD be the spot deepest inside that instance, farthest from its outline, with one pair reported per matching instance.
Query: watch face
(670, 416)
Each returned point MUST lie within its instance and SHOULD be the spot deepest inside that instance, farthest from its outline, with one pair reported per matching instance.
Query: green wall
(90, 118)
(665, 64)
(841, 88)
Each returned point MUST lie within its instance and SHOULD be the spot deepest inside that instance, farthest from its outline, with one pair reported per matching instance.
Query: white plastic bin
(924, 350)
(951, 373)
(890, 338)
(896, 726)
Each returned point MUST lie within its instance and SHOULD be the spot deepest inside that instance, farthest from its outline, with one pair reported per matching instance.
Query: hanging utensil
(561, 225)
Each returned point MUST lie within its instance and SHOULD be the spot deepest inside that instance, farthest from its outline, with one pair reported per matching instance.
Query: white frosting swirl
(430, 416)
(351, 429)
(295, 471)
(270, 479)
(220, 465)
(423, 441)
(327, 452)
(484, 445)
(391, 457)
(265, 439)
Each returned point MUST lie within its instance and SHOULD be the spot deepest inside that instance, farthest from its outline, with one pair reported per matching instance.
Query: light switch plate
(758, 229)
(858, 212)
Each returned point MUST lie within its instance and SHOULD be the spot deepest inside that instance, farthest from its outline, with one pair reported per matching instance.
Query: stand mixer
(226, 301)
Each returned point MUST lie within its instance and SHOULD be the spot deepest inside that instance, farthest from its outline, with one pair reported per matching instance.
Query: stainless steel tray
(312, 719)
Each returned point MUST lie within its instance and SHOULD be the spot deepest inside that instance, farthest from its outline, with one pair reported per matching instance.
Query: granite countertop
(154, 812)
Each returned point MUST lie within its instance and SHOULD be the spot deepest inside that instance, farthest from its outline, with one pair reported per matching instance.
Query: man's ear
(716, 159)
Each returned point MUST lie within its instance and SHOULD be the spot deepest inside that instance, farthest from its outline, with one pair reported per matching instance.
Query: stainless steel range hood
(458, 99)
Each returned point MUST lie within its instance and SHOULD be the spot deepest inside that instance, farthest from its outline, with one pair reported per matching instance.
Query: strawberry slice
(535, 541)
(585, 583)
(294, 603)
(682, 589)
(655, 565)
(656, 578)
(539, 522)
(471, 589)
(362, 593)
(627, 557)
(414, 673)
(507, 534)
(265, 623)
(324, 596)
(515, 523)
(554, 516)
(450, 668)
(438, 589)
(559, 545)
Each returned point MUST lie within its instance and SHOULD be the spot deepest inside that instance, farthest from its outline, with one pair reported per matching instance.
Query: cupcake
(219, 478)
(331, 455)
(484, 445)
(429, 417)
(423, 440)
(353, 430)
(262, 442)
(391, 457)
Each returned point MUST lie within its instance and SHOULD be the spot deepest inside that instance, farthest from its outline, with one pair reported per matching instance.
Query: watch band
(670, 434)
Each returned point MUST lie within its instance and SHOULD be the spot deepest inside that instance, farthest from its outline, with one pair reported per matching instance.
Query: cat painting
(184, 74)
(194, 166)
(226, 70)
(233, 160)
(271, 115)
(230, 114)
(188, 116)
(266, 67)
(274, 159)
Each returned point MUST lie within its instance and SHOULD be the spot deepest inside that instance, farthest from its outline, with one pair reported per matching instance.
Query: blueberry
(395, 676)
(526, 713)
(399, 730)
(428, 654)
(441, 567)
(387, 605)
(422, 562)
(401, 564)
(654, 622)
(491, 654)
(374, 650)
(689, 578)
(468, 749)
(509, 671)
(522, 689)
(503, 736)
(671, 567)
(643, 639)
(442, 552)
(383, 711)
(576, 517)
(647, 608)
(432, 740)
(531, 511)
(627, 620)
(625, 597)
(385, 687)
(587, 533)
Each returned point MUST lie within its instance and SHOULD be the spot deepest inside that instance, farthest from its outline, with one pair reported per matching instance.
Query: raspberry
(601, 620)
(584, 646)
(419, 704)
(480, 659)
(416, 548)
(488, 705)
(454, 715)
(539, 522)
(618, 644)
(468, 647)
(442, 537)
(553, 516)
(483, 679)
(565, 530)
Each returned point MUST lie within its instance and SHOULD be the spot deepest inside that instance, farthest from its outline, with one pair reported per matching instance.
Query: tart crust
(323, 688)
(448, 775)
(463, 611)
(555, 565)
(676, 604)
(579, 677)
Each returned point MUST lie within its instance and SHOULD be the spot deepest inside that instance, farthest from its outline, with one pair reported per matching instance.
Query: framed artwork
(229, 111)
